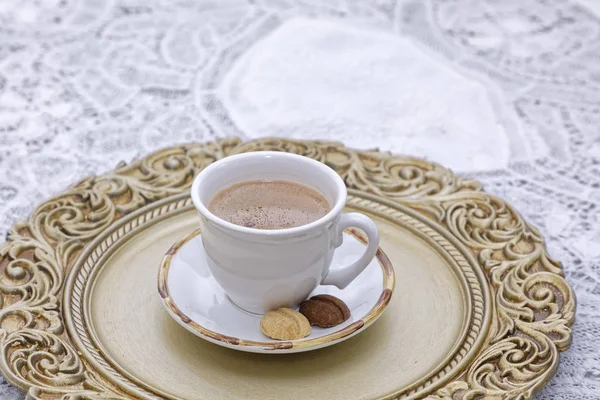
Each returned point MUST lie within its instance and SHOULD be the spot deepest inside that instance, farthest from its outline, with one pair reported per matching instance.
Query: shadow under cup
(261, 270)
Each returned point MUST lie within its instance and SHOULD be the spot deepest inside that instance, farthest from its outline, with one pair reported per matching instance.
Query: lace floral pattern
(500, 91)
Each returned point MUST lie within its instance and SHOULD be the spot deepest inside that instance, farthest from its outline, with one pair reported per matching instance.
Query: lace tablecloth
(503, 92)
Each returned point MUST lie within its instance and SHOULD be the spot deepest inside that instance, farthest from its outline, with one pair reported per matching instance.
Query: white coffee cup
(261, 270)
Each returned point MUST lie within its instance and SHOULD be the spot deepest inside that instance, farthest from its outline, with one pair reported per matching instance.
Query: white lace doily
(507, 92)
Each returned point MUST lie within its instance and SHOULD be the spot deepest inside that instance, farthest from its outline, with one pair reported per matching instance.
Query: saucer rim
(283, 346)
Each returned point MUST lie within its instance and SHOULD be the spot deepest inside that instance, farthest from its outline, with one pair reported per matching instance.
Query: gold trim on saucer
(43, 350)
(276, 346)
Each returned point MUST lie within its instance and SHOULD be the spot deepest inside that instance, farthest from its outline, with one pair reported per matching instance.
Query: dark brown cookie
(324, 310)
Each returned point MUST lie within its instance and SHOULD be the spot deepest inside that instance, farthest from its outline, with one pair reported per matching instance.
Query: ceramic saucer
(197, 302)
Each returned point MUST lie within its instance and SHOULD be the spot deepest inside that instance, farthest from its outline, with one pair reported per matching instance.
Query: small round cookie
(325, 311)
(285, 324)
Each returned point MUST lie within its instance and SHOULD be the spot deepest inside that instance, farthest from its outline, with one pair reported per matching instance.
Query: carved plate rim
(533, 308)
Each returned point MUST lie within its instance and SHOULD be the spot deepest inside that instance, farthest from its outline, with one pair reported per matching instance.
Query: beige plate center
(422, 338)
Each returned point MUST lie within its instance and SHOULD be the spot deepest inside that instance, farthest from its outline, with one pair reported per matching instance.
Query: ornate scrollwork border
(534, 307)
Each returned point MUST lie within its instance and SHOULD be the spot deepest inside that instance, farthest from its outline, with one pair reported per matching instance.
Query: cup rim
(336, 208)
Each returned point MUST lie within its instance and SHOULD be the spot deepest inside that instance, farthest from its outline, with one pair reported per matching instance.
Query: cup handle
(343, 276)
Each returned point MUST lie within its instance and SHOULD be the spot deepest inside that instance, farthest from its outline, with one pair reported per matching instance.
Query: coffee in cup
(288, 250)
(269, 204)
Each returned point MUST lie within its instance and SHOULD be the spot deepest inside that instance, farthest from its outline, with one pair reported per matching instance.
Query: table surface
(505, 93)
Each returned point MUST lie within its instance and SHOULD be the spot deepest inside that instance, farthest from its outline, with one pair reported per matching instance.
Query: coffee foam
(269, 204)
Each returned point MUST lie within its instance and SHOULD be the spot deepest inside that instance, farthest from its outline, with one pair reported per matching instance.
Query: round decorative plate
(479, 309)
